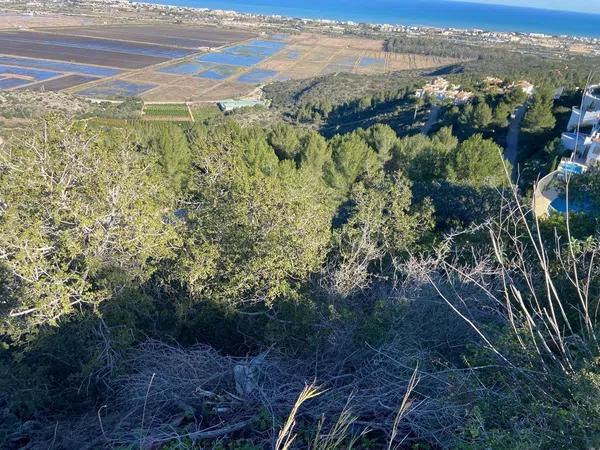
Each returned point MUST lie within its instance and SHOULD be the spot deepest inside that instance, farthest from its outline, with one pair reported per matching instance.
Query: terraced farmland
(180, 63)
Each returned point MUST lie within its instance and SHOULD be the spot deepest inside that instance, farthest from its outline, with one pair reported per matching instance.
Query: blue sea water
(435, 13)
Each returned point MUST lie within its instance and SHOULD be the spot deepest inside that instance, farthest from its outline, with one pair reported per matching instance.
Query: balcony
(587, 119)
(575, 142)
(591, 99)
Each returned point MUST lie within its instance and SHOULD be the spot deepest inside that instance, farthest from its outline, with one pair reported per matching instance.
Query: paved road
(431, 121)
(511, 153)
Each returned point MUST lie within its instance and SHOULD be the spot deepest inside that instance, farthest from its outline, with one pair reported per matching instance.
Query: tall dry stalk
(286, 435)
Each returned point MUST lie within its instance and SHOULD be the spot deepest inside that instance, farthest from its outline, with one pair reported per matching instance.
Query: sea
(432, 13)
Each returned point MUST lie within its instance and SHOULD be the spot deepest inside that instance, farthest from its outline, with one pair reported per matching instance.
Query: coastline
(393, 25)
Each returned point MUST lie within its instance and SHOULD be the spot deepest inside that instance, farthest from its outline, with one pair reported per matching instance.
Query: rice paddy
(187, 68)
(116, 89)
(182, 63)
(232, 59)
(59, 66)
(8, 83)
(220, 72)
(27, 74)
(257, 76)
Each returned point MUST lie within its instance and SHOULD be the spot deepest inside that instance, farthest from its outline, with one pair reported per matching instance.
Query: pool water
(559, 204)
(572, 168)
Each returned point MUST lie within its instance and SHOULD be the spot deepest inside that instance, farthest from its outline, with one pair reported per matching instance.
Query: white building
(589, 113)
(585, 145)
(441, 89)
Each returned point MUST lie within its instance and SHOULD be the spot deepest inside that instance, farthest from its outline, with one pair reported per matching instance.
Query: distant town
(128, 11)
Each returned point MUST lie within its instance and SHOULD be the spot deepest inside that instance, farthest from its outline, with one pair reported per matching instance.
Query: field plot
(8, 83)
(20, 20)
(170, 35)
(131, 57)
(369, 61)
(27, 74)
(187, 68)
(59, 66)
(179, 112)
(32, 37)
(223, 91)
(257, 76)
(188, 89)
(182, 63)
(75, 54)
(220, 72)
(117, 88)
(277, 64)
(58, 84)
(232, 59)
(403, 61)
(334, 68)
(151, 77)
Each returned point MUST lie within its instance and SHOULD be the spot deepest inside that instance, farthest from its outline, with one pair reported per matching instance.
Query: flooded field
(180, 63)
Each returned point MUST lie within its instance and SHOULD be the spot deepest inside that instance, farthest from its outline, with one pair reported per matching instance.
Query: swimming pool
(559, 205)
(572, 167)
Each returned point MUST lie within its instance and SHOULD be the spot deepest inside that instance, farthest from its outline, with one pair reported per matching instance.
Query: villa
(526, 87)
(582, 139)
(441, 89)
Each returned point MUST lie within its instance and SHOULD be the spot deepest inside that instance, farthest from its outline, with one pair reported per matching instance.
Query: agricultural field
(169, 111)
(181, 63)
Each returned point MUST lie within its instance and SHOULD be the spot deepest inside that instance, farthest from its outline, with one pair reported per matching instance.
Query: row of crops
(174, 111)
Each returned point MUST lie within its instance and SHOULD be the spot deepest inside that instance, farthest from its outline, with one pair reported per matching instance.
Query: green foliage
(248, 238)
(481, 116)
(539, 116)
(173, 110)
(251, 218)
(83, 215)
(284, 139)
(585, 188)
(169, 144)
(352, 157)
(479, 161)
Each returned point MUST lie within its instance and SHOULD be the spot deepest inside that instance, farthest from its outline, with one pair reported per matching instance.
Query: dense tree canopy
(178, 284)
(83, 214)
